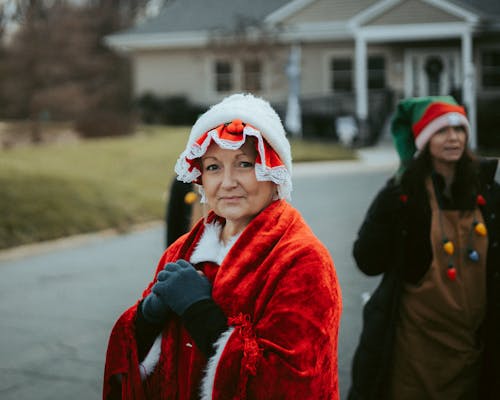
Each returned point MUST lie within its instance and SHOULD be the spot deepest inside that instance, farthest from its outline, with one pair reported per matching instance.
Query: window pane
(376, 72)
(342, 64)
(376, 62)
(223, 76)
(341, 74)
(490, 69)
(252, 76)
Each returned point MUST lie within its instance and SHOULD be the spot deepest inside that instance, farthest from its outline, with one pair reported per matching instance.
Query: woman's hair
(466, 180)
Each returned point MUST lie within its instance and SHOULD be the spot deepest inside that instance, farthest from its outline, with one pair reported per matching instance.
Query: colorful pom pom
(190, 197)
(473, 255)
(448, 247)
(452, 273)
(481, 201)
(403, 198)
(480, 229)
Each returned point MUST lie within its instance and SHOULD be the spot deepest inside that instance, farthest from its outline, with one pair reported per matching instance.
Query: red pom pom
(481, 201)
(452, 274)
(236, 126)
(403, 198)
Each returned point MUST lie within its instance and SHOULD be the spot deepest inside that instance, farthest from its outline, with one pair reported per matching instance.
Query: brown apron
(437, 347)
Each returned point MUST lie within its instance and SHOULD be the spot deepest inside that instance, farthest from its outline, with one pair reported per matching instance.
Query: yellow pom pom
(190, 197)
(480, 229)
(449, 248)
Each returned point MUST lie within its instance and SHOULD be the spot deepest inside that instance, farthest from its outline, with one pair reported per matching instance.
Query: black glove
(154, 309)
(179, 286)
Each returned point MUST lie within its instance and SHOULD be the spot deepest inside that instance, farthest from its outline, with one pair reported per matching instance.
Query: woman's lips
(230, 198)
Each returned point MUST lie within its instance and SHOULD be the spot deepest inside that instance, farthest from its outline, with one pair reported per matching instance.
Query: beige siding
(191, 73)
(329, 11)
(168, 73)
(413, 12)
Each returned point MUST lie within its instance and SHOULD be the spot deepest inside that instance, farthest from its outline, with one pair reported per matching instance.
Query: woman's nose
(453, 133)
(228, 179)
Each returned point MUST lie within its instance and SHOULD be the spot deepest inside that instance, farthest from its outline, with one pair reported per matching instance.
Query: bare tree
(56, 66)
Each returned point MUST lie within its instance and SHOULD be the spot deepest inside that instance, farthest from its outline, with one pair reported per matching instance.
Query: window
(376, 72)
(252, 76)
(490, 69)
(223, 76)
(341, 73)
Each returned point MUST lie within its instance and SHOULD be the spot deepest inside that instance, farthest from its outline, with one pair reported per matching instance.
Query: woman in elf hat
(431, 329)
(247, 304)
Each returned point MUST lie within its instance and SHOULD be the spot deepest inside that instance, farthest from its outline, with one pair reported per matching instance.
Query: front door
(433, 72)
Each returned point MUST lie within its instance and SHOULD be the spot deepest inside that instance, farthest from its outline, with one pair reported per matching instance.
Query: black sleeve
(178, 212)
(380, 235)
(417, 247)
(145, 333)
(205, 322)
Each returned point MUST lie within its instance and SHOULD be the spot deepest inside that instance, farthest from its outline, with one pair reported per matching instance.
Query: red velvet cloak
(279, 290)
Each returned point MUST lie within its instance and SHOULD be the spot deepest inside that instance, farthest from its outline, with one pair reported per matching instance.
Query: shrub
(101, 123)
(169, 110)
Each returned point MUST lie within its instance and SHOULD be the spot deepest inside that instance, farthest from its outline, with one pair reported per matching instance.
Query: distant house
(357, 56)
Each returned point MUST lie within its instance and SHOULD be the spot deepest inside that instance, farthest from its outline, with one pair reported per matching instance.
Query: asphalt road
(59, 302)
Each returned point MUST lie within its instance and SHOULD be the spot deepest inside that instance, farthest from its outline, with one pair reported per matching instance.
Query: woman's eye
(246, 164)
(211, 167)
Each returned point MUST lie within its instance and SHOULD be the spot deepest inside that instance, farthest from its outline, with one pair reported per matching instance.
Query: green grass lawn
(60, 189)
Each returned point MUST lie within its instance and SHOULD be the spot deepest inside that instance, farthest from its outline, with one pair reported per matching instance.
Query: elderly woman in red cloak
(247, 304)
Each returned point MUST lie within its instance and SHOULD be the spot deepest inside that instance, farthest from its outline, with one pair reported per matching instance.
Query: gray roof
(196, 15)
(205, 15)
(486, 8)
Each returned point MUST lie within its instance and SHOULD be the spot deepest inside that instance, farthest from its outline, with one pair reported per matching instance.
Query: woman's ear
(276, 194)
(201, 191)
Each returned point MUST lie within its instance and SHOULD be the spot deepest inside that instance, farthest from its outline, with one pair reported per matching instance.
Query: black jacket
(394, 241)
(178, 212)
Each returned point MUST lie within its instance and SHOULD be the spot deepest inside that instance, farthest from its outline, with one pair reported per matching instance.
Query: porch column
(469, 86)
(293, 119)
(360, 83)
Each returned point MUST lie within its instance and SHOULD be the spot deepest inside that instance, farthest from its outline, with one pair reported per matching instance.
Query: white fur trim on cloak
(148, 365)
(207, 384)
(210, 248)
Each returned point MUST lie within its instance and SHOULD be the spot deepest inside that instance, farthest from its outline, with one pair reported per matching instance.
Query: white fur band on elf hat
(260, 121)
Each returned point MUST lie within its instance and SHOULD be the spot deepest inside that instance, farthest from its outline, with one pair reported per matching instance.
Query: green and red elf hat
(417, 119)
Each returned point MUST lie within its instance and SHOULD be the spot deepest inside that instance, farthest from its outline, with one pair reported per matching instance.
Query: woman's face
(231, 187)
(448, 144)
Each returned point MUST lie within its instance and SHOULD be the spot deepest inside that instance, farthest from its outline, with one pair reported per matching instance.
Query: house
(356, 57)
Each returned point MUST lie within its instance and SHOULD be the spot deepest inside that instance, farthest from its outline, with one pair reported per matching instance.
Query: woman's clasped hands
(178, 287)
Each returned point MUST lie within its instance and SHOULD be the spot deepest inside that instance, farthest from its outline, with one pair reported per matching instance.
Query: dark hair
(466, 181)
